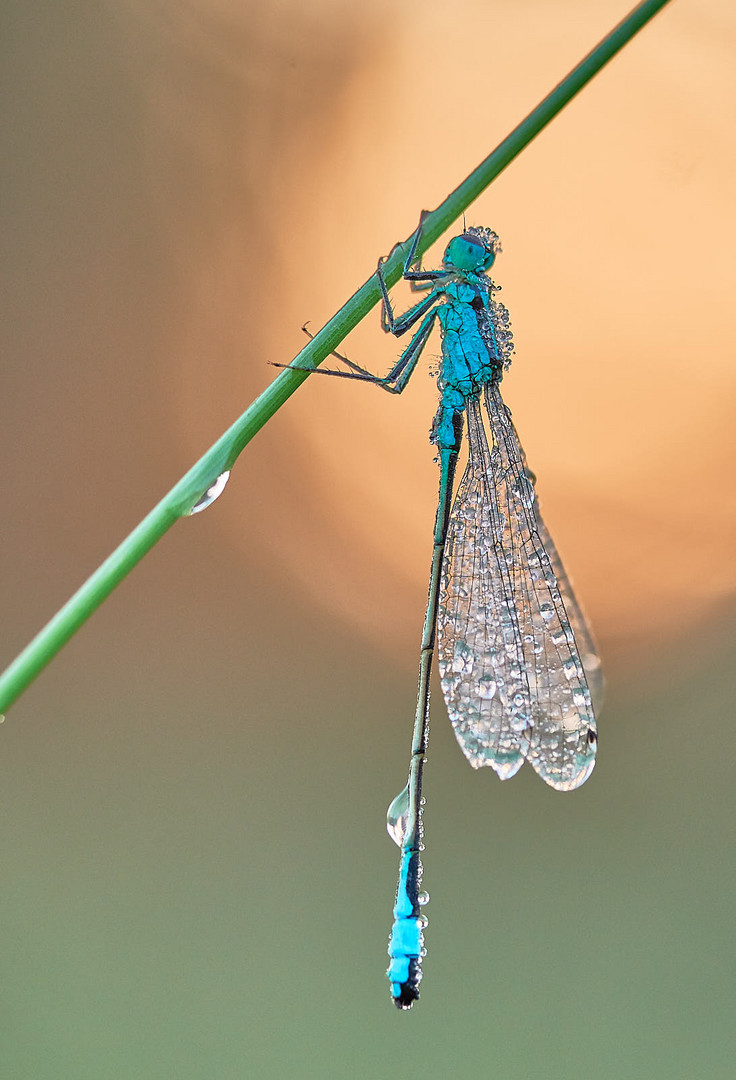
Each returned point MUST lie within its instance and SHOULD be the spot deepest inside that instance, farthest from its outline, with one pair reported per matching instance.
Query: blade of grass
(222, 455)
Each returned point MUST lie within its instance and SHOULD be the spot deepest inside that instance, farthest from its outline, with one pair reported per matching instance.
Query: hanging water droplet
(486, 688)
(547, 611)
(523, 489)
(213, 492)
(423, 898)
(397, 817)
(507, 768)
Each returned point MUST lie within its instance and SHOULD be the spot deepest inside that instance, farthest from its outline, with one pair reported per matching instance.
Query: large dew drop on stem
(213, 492)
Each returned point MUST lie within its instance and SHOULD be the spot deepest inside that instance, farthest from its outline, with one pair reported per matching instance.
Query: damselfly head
(475, 250)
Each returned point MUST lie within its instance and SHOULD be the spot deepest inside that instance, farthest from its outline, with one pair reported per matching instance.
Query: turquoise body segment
(406, 944)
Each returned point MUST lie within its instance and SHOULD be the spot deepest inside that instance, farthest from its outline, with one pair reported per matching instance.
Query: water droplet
(523, 490)
(508, 768)
(486, 688)
(462, 656)
(570, 667)
(397, 817)
(213, 492)
(423, 898)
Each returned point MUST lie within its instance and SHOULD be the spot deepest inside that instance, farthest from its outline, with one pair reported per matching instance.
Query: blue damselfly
(518, 667)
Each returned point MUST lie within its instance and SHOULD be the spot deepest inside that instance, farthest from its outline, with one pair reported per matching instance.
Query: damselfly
(518, 667)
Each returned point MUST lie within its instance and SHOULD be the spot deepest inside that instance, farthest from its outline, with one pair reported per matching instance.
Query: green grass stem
(223, 454)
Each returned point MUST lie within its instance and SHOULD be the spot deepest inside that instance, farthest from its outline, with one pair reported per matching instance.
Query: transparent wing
(511, 669)
(584, 640)
(479, 646)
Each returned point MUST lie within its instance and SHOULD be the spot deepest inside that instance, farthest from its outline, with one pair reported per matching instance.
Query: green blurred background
(196, 878)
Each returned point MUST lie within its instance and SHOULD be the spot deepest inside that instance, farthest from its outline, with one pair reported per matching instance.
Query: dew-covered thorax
(470, 312)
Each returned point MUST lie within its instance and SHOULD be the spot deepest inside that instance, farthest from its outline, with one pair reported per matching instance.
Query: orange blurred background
(185, 184)
(617, 271)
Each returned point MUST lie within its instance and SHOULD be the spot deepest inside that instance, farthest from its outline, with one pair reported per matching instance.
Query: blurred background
(196, 877)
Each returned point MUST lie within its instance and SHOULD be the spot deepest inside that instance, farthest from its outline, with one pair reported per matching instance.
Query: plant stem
(223, 454)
